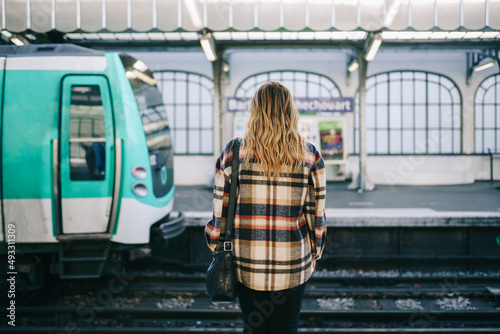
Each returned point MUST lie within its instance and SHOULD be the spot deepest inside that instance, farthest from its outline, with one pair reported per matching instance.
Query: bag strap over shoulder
(228, 245)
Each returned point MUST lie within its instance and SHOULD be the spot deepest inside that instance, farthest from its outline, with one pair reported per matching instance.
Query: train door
(87, 159)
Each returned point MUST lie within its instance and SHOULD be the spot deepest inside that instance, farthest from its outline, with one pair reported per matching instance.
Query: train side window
(87, 138)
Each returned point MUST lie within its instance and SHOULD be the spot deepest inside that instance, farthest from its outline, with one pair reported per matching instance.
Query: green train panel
(86, 148)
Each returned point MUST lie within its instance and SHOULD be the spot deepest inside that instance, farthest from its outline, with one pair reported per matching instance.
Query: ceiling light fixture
(353, 65)
(17, 41)
(375, 42)
(484, 64)
(208, 46)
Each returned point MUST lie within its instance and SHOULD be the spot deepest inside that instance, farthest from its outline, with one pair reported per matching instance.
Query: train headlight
(139, 172)
(140, 189)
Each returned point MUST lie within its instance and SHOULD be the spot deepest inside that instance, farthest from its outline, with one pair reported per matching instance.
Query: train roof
(38, 50)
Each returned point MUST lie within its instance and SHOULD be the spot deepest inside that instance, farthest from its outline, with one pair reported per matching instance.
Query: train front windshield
(154, 122)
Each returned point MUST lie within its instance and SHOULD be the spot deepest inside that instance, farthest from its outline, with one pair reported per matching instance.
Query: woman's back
(279, 223)
(275, 221)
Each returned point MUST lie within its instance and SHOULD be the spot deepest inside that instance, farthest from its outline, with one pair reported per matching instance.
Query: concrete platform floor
(480, 196)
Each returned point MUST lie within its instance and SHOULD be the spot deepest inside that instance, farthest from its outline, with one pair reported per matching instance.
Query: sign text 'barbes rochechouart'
(305, 105)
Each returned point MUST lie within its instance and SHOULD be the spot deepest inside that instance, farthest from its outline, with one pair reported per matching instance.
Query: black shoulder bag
(221, 275)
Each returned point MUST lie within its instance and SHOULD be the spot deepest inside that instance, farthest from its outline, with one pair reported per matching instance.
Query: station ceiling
(240, 21)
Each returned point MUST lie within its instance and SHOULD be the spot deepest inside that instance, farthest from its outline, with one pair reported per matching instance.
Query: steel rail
(195, 283)
(222, 330)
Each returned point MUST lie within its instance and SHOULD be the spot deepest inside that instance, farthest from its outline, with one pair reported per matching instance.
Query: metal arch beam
(472, 45)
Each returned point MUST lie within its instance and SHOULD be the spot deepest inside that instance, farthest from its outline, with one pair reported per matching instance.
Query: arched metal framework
(300, 83)
(188, 98)
(487, 119)
(411, 112)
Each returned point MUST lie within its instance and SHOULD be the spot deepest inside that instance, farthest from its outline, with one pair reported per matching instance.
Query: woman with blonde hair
(279, 222)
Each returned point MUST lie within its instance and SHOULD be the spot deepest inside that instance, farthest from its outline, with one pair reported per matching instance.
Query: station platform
(450, 205)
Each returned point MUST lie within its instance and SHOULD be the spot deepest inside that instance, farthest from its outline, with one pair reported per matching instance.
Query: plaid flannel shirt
(279, 225)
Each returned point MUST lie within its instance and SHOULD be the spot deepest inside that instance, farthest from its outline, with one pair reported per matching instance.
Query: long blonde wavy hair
(272, 136)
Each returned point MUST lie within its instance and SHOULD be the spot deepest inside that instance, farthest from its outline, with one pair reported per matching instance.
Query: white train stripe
(32, 218)
(85, 215)
(135, 220)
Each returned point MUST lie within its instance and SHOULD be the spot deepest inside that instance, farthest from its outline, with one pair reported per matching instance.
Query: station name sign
(305, 105)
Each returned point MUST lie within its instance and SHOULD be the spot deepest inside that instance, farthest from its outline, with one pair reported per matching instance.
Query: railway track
(153, 320)
(152, 303)
(155, 281)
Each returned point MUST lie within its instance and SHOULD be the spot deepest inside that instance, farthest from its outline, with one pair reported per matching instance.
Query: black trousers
(275, 312)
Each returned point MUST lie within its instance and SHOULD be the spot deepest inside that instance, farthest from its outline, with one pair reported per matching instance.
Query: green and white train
(86, 160)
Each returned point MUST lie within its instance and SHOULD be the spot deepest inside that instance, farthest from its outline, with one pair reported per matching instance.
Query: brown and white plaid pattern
(279, 225)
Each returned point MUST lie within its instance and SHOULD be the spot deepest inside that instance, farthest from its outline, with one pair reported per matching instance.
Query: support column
(222, 99)
(361, 182)
(363, 64)
(468, 122)
(218, 103)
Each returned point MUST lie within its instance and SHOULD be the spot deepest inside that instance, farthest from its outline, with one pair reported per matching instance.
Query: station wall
(332, 63)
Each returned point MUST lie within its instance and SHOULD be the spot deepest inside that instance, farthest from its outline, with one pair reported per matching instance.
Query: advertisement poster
(239, 123)
(327, 134)
(308, 127)
(331, 139)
